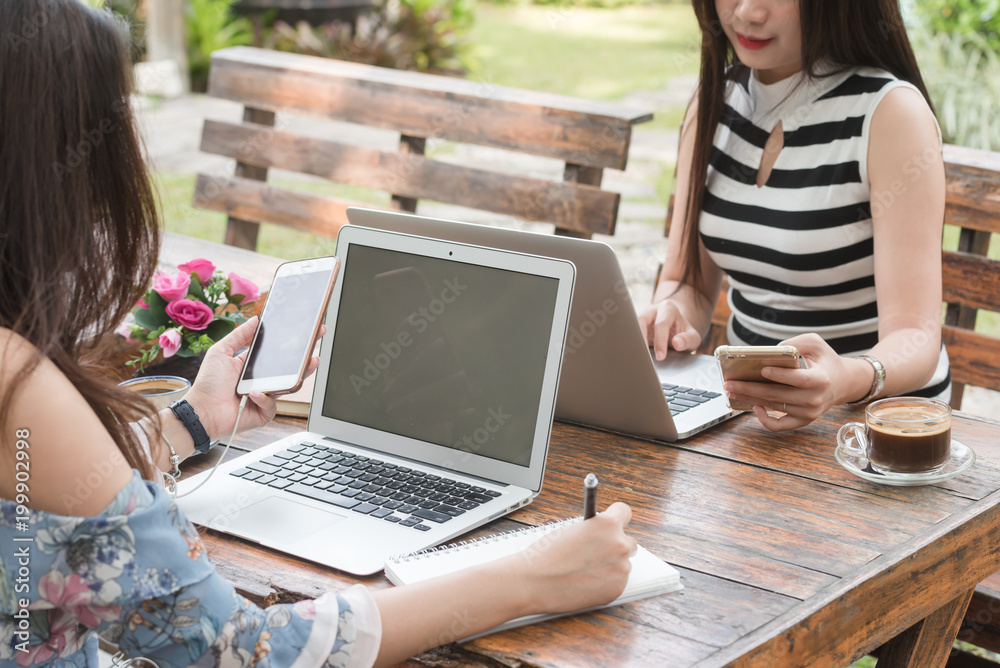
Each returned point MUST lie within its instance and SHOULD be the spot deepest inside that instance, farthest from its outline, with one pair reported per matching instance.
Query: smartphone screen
(287, 326)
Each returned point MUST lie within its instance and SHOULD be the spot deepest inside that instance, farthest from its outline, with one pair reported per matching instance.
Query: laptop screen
(441, 351)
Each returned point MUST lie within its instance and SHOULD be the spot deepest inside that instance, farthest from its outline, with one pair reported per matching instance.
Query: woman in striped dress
(810, 173)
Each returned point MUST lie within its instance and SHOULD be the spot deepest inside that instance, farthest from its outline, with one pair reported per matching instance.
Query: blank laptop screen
(440, 351)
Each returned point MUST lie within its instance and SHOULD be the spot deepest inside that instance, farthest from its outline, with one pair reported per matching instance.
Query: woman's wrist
(203, 408)
(518, 594)
(176, 435)
(863, 380)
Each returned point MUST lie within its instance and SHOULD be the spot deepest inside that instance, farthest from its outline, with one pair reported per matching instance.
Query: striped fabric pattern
(799, 250)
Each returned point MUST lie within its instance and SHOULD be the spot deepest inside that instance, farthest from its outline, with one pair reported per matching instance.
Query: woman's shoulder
(863, 82)
(51, 434)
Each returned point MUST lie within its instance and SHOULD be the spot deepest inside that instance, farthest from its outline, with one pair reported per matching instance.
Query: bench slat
(255, 201)
(423, 105)
(972, 191)
(974, 357)
(569, 205)
(971, 280)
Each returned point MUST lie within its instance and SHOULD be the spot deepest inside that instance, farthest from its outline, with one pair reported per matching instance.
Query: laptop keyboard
(366, 485)
(681, 398)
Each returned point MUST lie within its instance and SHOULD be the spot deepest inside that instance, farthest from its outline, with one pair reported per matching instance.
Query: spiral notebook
(650, 576)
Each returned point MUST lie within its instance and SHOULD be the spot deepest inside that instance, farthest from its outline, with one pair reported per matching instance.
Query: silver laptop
(609, 378)
(432, 408)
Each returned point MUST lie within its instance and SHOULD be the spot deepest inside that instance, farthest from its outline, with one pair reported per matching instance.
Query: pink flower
(64, 638)
(73, 600)
(242, 286)
(141, 304)
(305, 609)
(200, 266)
(191, 313)
(64, 592)
(170, 341)
(125, 330)
(172, 286)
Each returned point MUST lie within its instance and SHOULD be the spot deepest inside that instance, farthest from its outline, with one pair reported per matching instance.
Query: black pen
(589, 496)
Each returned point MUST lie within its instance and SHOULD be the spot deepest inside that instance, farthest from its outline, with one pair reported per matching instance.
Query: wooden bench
(585, 136)
(971, 288)
(971, 282)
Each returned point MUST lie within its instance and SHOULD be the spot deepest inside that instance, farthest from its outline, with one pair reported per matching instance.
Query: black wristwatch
(185, 413)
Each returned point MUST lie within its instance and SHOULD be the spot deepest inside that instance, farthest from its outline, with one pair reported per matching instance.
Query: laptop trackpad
(278, 520)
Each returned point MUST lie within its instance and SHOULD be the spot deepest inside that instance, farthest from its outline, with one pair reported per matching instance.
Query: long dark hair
(78, 223)
(848, 33)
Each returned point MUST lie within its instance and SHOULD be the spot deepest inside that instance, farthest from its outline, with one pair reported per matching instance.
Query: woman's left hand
(801, 395)
(213, 394)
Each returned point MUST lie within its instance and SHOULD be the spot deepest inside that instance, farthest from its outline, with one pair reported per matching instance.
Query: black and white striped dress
(799, 250)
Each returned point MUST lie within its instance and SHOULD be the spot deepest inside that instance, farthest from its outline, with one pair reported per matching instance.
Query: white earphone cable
(172, 480)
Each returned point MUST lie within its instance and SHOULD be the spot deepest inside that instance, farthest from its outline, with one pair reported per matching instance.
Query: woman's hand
(802, 395)
(664, 326)
(579, 566)
(213, 394)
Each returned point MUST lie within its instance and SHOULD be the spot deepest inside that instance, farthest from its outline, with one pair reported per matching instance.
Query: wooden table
(787, 559)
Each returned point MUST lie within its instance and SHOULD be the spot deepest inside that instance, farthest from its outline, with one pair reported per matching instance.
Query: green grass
(590, 53)
(869, 661)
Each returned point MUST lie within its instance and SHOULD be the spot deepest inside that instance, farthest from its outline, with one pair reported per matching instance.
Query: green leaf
(197, 291)
(219, 328)
(155, 301)
(185, 352)
(155, 316)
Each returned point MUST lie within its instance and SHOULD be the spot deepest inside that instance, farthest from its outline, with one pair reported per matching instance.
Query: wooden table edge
(784, 635)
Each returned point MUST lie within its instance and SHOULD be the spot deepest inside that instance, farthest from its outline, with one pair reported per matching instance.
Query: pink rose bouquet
(186, 312)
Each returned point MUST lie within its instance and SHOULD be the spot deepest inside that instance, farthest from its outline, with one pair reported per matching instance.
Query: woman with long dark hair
(93, 545)
(810, 173)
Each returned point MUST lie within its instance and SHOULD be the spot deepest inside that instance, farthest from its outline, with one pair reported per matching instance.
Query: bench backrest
(586, 136)
(970, 278)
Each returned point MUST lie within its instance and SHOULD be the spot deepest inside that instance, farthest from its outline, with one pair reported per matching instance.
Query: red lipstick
(751, 43)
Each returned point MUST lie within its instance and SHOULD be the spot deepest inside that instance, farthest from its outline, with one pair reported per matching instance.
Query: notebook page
(650, 576)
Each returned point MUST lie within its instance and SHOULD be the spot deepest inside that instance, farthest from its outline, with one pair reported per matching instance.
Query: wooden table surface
(786, 558)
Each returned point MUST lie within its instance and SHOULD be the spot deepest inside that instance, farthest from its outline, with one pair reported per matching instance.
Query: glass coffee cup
(901, 435)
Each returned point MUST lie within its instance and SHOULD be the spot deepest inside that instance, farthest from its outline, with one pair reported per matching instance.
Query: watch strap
(187, 416)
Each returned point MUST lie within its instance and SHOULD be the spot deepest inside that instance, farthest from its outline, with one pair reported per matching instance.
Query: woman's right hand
(579, 566)
(665, 327)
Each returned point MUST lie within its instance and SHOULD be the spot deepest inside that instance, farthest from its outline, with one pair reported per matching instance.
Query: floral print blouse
(138, 575)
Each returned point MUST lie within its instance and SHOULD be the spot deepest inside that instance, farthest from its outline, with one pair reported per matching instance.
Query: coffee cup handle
(859, 443)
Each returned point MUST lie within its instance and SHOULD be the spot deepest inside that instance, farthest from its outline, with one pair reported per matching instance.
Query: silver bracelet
(878, 383)
(175, 466)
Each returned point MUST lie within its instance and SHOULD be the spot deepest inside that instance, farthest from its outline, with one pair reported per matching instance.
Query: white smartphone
(289, 326)
(746, 362)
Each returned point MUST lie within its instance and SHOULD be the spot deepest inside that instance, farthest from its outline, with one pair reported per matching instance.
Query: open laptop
(432, 408)
(609, 378)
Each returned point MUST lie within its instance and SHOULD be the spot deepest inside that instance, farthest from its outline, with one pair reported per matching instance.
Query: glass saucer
(962, 457)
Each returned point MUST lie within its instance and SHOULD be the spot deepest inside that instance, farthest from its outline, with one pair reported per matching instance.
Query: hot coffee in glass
(903, 435)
